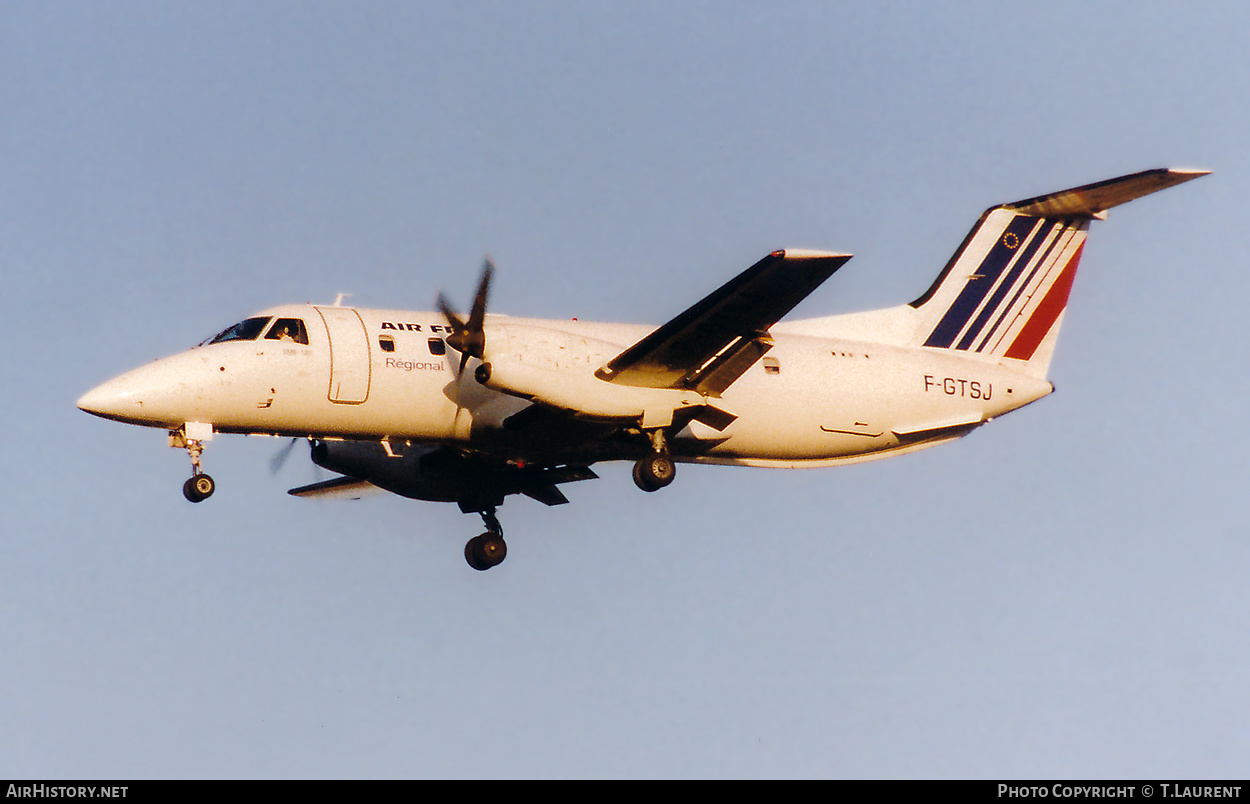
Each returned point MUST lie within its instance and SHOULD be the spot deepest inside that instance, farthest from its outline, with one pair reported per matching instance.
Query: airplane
(437, 406)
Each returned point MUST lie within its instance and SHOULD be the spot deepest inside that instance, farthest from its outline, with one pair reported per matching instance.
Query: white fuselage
(387, 375)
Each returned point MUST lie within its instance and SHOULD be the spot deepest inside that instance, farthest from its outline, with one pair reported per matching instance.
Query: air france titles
(413, 365)
(400, 326)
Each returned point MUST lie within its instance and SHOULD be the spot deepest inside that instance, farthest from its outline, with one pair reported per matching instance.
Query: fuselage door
(349, 355)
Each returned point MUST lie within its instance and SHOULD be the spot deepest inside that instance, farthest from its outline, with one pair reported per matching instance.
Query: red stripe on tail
(1047, 312)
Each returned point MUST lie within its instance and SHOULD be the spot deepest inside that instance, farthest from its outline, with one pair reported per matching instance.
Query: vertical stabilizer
(1003, 295)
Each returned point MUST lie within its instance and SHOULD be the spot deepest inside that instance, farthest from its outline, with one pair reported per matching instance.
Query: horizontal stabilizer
(341, 488)
(547, 495)
(1092, 200)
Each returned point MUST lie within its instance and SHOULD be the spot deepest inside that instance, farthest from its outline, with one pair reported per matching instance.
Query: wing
(712, 344)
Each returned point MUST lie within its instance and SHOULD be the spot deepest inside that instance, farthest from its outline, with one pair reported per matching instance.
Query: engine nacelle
(475, 482)
(360, 459)
(579, 391)
(419, 473)
(557, 369)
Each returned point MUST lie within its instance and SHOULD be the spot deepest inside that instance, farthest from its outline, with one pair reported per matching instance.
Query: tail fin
(1003, 294)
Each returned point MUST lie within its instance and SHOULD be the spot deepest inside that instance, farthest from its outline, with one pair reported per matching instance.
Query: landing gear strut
(200, 486)
(656, 470)
(489, 549)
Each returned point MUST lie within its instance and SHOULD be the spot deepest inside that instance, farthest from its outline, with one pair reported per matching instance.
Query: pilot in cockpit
(289, 330)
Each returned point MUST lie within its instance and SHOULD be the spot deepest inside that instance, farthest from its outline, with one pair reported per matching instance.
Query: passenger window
(771, 366)
(438, 346)
(386, 343)
(246, 330)
(288, 329)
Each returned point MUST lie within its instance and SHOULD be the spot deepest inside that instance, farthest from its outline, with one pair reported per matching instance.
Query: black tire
(471, 555)
(654, 472)
(198, 488)
(486, 551)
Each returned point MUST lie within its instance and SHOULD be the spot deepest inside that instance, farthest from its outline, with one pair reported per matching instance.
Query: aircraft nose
(151, 395)
(111, 401)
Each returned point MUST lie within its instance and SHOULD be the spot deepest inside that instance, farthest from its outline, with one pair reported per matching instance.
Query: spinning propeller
(468, 337)
(280, 457)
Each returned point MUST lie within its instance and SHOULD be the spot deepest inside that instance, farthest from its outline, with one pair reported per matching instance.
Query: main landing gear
(200, 486)
(657, 469)
(489, 549)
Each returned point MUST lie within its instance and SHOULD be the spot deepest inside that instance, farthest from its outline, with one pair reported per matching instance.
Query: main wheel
(486, 551)
(654, 472)
(198, 488)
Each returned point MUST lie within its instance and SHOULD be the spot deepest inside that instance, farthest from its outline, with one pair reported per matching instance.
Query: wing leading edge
(709, 346)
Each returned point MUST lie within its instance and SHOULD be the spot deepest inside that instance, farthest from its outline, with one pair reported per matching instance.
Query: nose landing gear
(489, 549)
(191, 438)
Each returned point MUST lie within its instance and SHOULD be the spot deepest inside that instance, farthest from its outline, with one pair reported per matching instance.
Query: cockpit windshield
(246, 330)
(288, 329)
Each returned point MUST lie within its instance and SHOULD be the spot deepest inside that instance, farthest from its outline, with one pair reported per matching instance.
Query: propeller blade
(469, 337)
(279, 459)
(456, 340)
(477, 316)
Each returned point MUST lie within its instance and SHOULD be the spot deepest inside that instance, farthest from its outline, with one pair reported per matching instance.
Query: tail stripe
(981, 283)
(1044, 317)
(1058, 245)
(1020, 266)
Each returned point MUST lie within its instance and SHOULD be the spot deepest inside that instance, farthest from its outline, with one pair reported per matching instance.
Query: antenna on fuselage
(338, 300)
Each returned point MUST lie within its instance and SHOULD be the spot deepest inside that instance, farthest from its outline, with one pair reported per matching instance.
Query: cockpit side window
(288, 329)
(247, 330)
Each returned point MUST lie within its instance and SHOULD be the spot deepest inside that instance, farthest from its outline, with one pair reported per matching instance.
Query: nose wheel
(199, 486)
(489, 549)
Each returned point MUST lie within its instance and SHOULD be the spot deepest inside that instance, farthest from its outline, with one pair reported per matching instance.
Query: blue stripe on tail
(980, 284)
(1017, 268)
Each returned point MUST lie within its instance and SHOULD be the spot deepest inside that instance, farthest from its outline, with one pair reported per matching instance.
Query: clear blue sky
(1062, 594)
